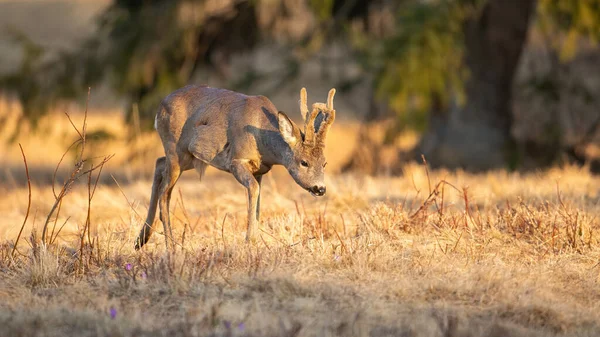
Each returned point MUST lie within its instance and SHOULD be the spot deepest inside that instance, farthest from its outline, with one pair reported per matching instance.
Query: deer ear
(288, 130)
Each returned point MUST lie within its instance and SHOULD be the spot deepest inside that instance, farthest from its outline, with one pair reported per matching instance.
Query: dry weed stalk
(77, 172)
(12, 254)
(433, 194)
(86, 227)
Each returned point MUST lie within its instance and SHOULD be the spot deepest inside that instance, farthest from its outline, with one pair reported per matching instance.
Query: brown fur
(236, 133)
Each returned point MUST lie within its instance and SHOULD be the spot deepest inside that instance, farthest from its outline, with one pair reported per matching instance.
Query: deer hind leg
(146, 230)
(171, 174)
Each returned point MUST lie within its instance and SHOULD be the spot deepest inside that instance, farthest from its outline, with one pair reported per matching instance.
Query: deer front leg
(242, 171)
(259, 180)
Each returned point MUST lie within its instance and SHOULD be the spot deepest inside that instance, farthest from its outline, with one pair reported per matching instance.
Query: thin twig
(52, 240)
(28, 201)
(55, 220)
(73, 125)
(426, 171)
(125, 196)
(58, 166)
(223, 232)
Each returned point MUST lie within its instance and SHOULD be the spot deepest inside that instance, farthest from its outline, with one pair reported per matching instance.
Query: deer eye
(304, 163)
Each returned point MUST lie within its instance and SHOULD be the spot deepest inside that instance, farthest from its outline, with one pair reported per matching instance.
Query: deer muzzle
(317, 191)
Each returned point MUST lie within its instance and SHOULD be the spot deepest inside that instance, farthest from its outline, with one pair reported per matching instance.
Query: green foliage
(144, 50)
(420, 66)
(577, 19)
(322, 8)
(423, 60)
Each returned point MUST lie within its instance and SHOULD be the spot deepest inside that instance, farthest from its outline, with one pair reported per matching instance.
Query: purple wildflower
(227, 324)
(113, 313)
(144, 275)
(241, 326)
(128, 266)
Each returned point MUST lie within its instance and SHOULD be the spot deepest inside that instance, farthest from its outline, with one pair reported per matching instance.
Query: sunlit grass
(422, 254)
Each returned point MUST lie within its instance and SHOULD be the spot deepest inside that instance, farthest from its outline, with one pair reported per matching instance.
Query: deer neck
(278, 152)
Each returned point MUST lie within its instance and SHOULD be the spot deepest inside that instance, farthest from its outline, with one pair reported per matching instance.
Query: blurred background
(471, 84)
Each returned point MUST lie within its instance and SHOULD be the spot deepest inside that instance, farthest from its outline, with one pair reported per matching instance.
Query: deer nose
(318, 190)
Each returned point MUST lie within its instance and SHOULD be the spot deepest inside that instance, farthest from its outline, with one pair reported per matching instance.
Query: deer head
(306, 162)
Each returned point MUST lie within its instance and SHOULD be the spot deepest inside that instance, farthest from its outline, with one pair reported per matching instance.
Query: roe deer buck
(243, 135)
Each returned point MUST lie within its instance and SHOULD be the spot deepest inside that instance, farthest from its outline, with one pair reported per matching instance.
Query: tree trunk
(477, 136)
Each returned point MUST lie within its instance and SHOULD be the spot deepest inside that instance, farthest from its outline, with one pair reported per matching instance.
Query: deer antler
(330, 99)
(327, 114)
(328, 119)
(303, 106)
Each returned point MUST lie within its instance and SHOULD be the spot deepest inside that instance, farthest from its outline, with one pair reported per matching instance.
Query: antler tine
(303, 104)
(328, 117)
(309, 126)
(330, 99)
(322, 133)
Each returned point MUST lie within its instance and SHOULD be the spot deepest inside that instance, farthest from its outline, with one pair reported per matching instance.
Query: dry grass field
(422, 254)
(425, 253)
